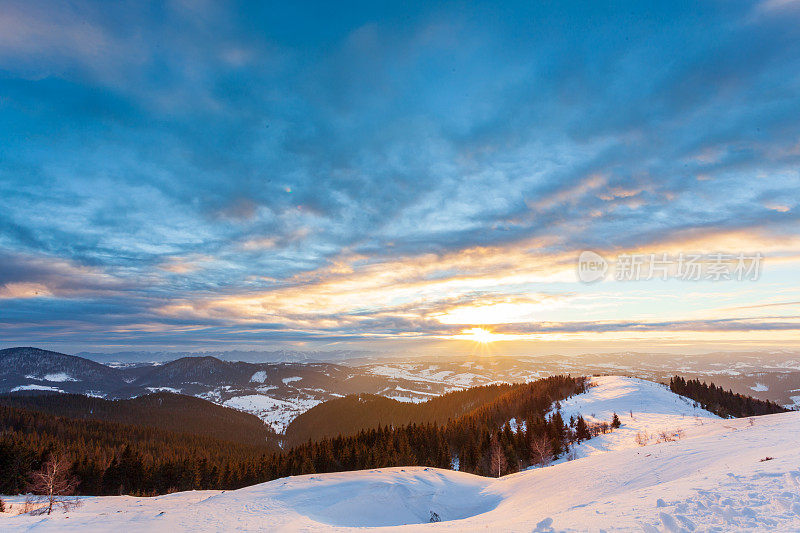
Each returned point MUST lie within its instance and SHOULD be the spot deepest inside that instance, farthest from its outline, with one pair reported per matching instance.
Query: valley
(278, 392)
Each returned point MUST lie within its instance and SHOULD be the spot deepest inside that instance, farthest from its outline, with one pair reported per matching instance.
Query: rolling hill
(353, 413)
(720, 474)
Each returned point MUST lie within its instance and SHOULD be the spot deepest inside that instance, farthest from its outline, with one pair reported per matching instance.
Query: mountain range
(278, 392)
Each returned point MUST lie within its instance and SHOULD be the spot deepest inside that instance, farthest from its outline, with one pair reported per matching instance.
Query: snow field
(716, 478)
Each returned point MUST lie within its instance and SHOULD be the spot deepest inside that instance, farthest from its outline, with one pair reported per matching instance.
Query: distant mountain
(205, 370)
(249, 356)
(35, 369)
(277, 392)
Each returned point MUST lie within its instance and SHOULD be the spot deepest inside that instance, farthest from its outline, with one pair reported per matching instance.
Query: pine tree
(581, 430)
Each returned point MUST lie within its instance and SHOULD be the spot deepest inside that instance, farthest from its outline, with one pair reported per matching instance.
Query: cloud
(24, 290)
(360, 172)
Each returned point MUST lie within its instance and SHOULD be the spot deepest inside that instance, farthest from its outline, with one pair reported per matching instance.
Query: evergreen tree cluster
(726, 404)
(163, 410)
(357, 412)
(466, 440)
(115, 458)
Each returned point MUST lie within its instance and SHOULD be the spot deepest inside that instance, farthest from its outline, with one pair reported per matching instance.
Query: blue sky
(376, 175)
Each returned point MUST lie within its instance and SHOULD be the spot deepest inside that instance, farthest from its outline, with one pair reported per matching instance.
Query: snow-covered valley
(712, 474)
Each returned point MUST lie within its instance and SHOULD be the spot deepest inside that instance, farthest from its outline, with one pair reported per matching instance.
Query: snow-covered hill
(715, 477)
(644, 408)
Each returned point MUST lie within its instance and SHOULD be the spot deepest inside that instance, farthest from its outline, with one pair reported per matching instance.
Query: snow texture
(714, 478)
(258, 377)
(58, 377)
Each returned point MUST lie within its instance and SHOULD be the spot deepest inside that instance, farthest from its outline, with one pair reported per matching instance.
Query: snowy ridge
(714, 478)
(644, 408)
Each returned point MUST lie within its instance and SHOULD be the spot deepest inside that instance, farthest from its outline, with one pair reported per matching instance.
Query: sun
(483, 336)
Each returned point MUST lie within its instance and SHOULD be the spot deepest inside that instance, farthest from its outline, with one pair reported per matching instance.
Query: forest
(162, 410)
(726, 404)
(115, 458)
(356, 412)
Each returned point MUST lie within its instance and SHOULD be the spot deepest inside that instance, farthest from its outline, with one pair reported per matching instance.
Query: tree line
(114, 458)
(162, 410)
(724, 403)
(356, 412)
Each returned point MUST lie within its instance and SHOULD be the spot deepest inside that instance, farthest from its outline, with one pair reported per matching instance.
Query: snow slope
(642, 406)
(36, 387)
(278, 414)
(712, 479)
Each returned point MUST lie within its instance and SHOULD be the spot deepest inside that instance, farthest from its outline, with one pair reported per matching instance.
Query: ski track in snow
(712, 479)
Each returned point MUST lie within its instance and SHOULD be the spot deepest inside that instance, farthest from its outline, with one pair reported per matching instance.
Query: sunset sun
(480, 335)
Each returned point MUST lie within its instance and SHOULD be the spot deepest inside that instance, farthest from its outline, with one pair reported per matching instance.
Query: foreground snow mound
(381, 497)
(389, 497)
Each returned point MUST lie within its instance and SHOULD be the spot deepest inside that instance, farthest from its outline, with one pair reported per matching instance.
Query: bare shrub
(497, 457)
(541, 450)
(642, 438)
(670, 436)
(53, 485)
(664, 437)
(29, 504)
(572, 455)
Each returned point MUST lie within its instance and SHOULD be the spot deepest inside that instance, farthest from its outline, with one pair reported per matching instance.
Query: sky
(396, 177)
